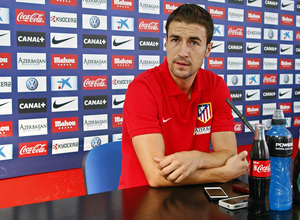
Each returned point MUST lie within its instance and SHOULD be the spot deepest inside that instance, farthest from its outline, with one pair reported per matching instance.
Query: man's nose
(184, 50)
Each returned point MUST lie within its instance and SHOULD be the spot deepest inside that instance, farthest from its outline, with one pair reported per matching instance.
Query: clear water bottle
(280, 143)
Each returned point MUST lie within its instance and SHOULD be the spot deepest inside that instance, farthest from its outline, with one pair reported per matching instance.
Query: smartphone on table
(215, 193)
(234, 203)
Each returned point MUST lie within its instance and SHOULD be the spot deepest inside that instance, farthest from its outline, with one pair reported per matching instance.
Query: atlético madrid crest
(204, 112)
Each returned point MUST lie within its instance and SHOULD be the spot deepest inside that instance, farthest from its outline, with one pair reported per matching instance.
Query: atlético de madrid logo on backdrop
(204, 113)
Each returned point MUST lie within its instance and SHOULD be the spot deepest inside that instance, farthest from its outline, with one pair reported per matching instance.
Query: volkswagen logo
(94, 21)
(32, 84)
(286, 78)
(270, 34)
(234, 80)
(95, 142)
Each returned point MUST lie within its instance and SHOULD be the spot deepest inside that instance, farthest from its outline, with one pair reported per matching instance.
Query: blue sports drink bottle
(280, 143)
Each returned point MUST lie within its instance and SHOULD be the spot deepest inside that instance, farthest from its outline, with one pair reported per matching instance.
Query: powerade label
(259, 168)
(280, 146)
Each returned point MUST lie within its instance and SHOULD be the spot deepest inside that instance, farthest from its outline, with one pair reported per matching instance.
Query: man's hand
(236, 166)
(176, 167)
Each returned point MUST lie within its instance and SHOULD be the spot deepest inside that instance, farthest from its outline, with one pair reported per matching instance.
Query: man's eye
(174, 40)
(194, 43)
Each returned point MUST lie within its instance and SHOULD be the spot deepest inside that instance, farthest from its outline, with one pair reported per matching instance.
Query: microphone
(242, 117)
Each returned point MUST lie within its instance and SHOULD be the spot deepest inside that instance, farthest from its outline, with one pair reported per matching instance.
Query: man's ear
(208, 49)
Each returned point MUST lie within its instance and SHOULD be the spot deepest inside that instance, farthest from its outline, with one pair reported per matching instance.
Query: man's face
(186, 48)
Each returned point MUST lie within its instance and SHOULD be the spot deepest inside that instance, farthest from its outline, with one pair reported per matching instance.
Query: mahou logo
(64, 2)
(6, 129)
(32, 149)
(238, 128)
(117, 120)
(94, 82)
(252, 110)
(235, 31)
(254, 16)
(122, 62)
(253, 63)
(215, 62)
(297, 121)
(126, 5)
(64, 124)
(5, 61)
(285, 107)
(169, 7)
(269, 79)
(30, 17)
(148, 25)
(260, 168)
(287, 20)
(286, 64)
(64, 61)
(216, 12)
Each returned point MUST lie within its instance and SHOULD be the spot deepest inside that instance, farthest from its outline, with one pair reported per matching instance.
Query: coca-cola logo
(148, 25)
(263, 169)
(269, 79)
(297, 121)
(238, 127)
(235, 31)
(94, 82)
(30, 17)
(298, 36)
(260, 168)
(33, 149)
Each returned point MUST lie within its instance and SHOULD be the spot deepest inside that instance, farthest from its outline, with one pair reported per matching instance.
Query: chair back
(102, 168)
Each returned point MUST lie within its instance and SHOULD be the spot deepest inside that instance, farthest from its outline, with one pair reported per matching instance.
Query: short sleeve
(140, 112)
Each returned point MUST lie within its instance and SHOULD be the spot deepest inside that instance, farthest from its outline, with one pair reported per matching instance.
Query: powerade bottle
(280, 143)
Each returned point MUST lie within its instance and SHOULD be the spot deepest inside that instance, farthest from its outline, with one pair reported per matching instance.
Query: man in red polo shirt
(173, 112)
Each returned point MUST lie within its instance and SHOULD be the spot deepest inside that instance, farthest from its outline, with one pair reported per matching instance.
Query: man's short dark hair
(193, 14)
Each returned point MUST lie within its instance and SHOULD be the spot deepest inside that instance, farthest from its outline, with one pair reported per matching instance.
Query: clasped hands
(178, 166)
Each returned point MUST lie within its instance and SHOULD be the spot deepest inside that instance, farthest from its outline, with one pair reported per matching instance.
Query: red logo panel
(254, 16)
(6, 129)
(287, 20)
(64, 61)
(235, 31)
(215, 62)
(238, 128)
(253, 63)
(216, 12)
(286, 64)
(64, 124)
(94, 82)
(30, 17)
(117, 120)
(64, 2)
(122, 62)
(148, 25)
(252, 110)
(126, 5)
(297, 121)
(169, 7)
(32, 149)
(5, 61)
(269, 79)
(285, 107)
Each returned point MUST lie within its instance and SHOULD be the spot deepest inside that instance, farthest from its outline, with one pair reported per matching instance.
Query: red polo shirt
(155, 104)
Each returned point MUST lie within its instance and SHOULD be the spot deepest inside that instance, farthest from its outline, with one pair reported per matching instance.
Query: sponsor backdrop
(66, 64)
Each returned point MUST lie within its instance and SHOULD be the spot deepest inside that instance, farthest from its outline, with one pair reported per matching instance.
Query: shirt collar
(170, 85)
